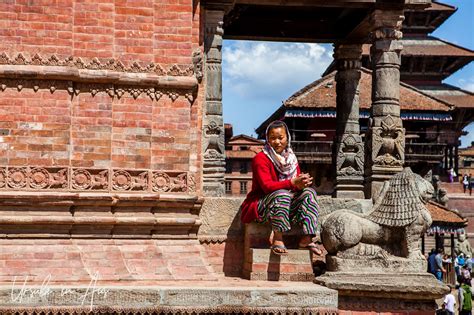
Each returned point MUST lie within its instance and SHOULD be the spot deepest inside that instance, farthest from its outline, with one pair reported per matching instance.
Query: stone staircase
(261, 264)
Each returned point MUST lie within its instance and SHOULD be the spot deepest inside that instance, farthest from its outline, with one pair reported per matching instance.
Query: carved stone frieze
(36, 178)
(198, 64)
(387, 24)
(388, 142)
(214, 140)
(112, 90)
(123, 180)
(97, 64)
(350, 156)
(169, 310)
(92, 179)
(191, 182)
(162, 182)
(89, 179)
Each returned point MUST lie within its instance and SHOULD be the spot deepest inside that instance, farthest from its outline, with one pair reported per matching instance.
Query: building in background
(466, 160)
(434, 114)
(427, 61)
(311, 117)
(239, 152)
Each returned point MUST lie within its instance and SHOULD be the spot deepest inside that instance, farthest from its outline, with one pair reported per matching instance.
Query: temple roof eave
(322, 94)
(443, 216)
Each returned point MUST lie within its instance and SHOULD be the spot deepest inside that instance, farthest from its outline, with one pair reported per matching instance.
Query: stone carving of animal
(396, 223)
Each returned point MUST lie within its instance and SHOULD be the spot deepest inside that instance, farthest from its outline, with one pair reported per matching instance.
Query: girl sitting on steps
(280, 193)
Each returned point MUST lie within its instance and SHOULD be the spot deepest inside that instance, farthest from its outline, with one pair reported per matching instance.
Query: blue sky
(259, 76)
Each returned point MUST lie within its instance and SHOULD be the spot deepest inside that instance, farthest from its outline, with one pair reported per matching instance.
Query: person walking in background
(449, 302)
(432, 262)
(465, 182)
(451, 175)
(465, 299)
(470, 179)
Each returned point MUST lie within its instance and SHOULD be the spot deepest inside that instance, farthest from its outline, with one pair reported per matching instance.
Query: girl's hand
(301, 181)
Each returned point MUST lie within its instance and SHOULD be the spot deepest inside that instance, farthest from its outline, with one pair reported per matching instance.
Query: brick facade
(94, 120)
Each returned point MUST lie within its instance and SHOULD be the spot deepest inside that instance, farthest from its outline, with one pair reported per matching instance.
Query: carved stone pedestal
(398, 293)
(392, 265)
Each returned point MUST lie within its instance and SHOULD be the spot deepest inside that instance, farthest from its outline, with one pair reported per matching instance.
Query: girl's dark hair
(276, 124)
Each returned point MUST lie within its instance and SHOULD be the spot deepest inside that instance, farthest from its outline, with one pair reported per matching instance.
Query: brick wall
(44, 124)
(161, 31)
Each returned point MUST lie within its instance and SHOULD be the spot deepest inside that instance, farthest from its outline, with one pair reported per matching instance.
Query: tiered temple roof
(318, 99)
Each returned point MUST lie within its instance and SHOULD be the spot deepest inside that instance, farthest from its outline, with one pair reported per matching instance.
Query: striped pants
(282, 207)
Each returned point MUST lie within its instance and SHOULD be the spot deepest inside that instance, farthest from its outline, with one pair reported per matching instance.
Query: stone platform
(398, 293)
(67, 261)
(229, 295)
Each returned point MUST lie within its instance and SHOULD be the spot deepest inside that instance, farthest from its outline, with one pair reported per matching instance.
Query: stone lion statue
(462, 246)
(394, 226)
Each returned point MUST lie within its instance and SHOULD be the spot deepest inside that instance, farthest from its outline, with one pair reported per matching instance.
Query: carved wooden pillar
(456, 159)
(213, 124)
(349, 158)
(386, 135)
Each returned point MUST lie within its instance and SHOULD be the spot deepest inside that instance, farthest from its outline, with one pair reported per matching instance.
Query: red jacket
(264, 181)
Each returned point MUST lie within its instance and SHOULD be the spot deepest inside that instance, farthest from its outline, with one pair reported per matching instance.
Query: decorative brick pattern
(96, 64)
(87, 179)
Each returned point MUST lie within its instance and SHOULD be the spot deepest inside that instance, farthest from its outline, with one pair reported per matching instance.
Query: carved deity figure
(392, 229)
(462, 246)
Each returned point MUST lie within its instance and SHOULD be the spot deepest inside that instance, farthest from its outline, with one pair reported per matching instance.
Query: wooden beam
(311, 3)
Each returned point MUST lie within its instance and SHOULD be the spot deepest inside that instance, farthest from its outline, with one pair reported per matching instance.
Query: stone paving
(223, 295)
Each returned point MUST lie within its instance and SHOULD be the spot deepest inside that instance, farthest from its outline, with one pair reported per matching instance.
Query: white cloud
(467, 85)
(263, 69)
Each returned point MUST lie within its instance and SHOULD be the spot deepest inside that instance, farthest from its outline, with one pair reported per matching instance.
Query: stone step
(226, 296)
(262, 264)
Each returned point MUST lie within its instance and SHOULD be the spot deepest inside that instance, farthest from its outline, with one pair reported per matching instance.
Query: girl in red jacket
(281, 194)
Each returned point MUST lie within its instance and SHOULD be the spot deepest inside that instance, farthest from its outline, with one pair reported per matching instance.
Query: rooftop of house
(450, 94)
(441, 215)
(428, 46)
(322, 94)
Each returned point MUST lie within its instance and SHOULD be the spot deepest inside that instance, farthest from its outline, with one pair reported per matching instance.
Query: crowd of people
(437, 263)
